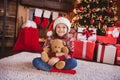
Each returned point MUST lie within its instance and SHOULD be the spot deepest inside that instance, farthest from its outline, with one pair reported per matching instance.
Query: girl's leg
(70, 63)
(39, 64)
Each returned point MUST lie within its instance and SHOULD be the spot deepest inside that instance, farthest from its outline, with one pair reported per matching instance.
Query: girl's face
(61, 29)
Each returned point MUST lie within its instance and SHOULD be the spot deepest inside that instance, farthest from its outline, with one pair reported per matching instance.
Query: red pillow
(28, 40)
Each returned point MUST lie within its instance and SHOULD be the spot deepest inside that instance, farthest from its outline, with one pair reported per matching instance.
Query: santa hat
(57, 21)
(62, 20)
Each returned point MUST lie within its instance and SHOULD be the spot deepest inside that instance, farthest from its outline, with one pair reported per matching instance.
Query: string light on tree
(98, 14)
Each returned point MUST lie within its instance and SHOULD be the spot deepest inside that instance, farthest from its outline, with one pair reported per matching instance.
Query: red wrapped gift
(112, 32)
(83, 50)
(107, 40)
(118, 54)
(106, 53)
(118, 40)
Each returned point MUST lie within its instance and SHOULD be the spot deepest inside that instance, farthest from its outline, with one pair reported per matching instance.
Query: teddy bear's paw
(60, 65)
(44, 57)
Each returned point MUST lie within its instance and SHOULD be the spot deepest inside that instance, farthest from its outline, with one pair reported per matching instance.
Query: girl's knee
(71, 63)
(39, 64)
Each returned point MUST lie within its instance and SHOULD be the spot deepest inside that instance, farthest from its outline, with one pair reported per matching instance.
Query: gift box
(106, 53)
(83, 50)
(118, 55)
(86, 34)
(107, 40)
(118, 39)
(112, 32)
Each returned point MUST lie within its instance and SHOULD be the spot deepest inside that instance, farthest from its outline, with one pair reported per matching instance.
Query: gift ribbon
(109, 32)
(113, 32)
(87, 32)
(102, 53)
(84, 49)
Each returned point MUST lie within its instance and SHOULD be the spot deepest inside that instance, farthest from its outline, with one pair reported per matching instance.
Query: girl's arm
(70, 44)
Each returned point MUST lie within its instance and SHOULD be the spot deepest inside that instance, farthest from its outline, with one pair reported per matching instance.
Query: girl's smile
(61, 29)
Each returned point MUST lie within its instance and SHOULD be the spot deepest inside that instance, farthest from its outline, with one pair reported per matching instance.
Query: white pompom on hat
(62, 20)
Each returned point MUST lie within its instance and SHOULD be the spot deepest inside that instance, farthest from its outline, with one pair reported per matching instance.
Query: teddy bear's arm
(46, 49)
(65, 50)
(44, 56)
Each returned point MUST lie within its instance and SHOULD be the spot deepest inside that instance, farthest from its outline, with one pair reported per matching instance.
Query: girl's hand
(53, 61)
(67, 56)
(60, 54)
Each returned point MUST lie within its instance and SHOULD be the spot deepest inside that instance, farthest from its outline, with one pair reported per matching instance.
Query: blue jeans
(39, 64)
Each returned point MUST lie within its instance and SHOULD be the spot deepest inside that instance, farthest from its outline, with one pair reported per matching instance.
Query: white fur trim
(30, 24)
(62, 20)
(38, 12)
(46, 14)
(49, 33)
(55, 15)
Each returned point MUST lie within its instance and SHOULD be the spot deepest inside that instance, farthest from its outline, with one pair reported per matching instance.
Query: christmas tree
(98, 14)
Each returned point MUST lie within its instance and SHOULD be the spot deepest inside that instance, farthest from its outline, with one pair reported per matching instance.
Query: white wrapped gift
(106, 53)
(80, 36)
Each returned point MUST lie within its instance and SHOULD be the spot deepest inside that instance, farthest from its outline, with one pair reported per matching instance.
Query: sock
(37, 20)
(63, 71)
(54, 16)
(45, 22)
(38, 14)
(46, 17)
(50, 28)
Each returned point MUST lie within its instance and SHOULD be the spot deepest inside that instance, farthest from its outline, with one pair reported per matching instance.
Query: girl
(61, 28)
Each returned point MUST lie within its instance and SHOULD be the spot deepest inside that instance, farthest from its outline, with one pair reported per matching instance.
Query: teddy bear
(55, 55)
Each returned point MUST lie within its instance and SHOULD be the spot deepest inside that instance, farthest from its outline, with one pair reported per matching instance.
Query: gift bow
(87, 32)
(115, 33)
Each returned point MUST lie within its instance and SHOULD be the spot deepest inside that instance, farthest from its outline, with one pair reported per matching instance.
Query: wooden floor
(7, 52)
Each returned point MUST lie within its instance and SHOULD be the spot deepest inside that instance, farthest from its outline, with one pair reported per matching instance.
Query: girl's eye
(58, 27)
(64, 27)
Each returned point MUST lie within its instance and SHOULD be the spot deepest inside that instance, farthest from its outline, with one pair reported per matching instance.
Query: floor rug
(19, 67)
